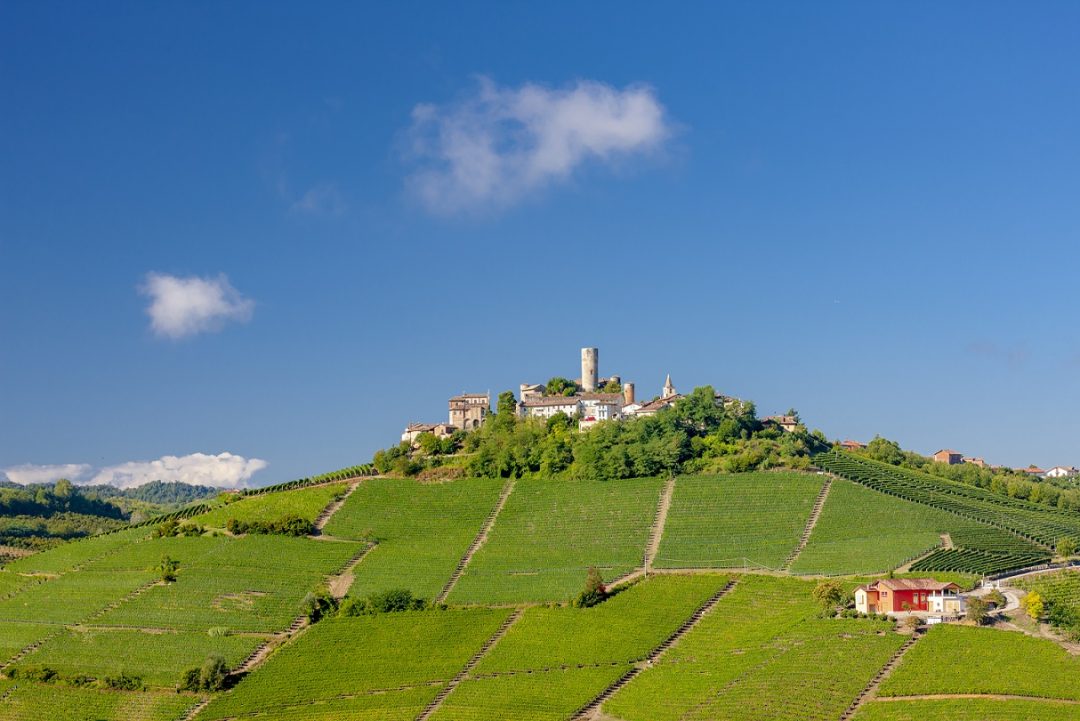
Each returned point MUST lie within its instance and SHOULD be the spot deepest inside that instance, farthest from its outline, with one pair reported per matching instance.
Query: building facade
(468, 411)
(904, 595)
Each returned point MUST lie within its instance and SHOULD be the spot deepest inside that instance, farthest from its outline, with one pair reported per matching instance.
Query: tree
(978, 610)
(828, 594)
(612, 387)
(167, 569)
(594, 592)
(213, 673)
(559, 386)
(1034, 605)
(1066, 546)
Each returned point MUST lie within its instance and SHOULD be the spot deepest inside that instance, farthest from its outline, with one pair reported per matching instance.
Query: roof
(909, 584)
(1032, 469)
(850, 442)
(951, 453)
(467, 396)
(782, 420)
(550, 401)
(419, 427)
(606, 397)
(658, 403)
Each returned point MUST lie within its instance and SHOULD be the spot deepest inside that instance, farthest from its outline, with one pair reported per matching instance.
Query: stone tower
(628, 393)
(669, 388)
(589, 365)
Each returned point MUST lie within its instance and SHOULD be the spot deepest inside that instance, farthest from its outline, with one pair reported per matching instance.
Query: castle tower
(589, 365)
(669, 389)
(627, 394)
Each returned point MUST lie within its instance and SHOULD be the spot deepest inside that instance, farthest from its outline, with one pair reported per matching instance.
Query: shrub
(213, 673)
(1034, 605)
(41, 674)
(997, 598)
(167, 568)
(319, 604)
(1066, 546)
(829, 595)
(291, 525)
(978, 610)
(123, 682)
(217, 632)
(594, 592)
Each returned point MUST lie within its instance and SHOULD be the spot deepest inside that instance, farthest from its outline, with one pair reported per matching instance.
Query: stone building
(468, 411)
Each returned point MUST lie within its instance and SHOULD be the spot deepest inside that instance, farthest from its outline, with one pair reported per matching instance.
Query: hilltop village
(589, 399)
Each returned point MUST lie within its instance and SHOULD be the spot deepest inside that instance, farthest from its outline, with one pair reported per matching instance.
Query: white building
(547, 406)
(1061, 472)
(947, 602)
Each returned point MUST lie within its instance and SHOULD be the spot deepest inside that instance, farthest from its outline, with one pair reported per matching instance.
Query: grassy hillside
(82, 619)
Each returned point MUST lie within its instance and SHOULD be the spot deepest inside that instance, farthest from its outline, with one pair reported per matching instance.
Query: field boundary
(811, 521)
(992, 696)
(870, 691)
(656, 533)
(478, 542)
(331, 508)
(461, 675)
(589, 710)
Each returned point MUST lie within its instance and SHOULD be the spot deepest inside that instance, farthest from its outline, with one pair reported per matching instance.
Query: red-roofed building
(850, 445)
(902, 595)
(953, 458)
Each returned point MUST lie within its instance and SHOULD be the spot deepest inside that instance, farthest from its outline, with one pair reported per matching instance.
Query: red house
(897, 595)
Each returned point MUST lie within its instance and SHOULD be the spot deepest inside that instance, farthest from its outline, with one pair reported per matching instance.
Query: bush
(393, 601)
(213, 673)
(41, 674)
(217, 632)
(829, 595)
(123, 682)
(319, 605)
(978, 610)
(594, 592)
(997, 598)
(1034, 605)
(291, 525)
(167, 569)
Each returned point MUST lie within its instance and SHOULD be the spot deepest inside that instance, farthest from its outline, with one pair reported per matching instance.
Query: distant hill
(43, 515)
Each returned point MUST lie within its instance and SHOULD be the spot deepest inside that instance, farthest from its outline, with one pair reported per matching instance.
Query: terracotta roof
(912, 584)
(659, 403)
(951, 453)
(420, 427)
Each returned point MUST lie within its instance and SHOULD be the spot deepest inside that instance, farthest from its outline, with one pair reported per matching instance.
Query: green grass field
(717, 521)
(159, 659)
(371, 653)
(551, 531)
(975, 658)
(969, 709)
(422, 530)
(304, 502)
(53, 702)
(760, 654)
(861, 530)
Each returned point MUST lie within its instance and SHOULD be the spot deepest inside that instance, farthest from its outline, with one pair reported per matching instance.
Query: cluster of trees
(47, 674)
(211, 676)
(173, 527)
(61, 497)
(700, 433)
(1004, 481)
(291, 525)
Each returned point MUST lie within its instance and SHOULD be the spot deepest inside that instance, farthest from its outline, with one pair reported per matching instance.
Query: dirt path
(870, 692)
(340, 584)
(659, 521)
(591, 711)
(946, 541)
(992, 696)
(815, 514)
(332, 508)
(436, 702)
(480, 540)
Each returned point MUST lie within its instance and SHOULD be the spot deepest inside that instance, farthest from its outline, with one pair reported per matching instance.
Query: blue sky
(865, 211)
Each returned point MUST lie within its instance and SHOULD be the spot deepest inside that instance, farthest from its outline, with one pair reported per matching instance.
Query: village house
(1033, 471)
(906, 595)
(850, 445)
(415, 430)
(1062, 472)
(976, 462)
(952, 458)
(786, 423)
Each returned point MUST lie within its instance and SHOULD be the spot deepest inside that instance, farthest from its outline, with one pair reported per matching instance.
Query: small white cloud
(497, 145)
(323, 199)
(28, 473)
(225, 470)
(181, 307)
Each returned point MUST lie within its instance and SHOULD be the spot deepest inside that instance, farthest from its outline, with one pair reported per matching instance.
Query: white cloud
(323, 199)
(224, 470)
(185, 306)
(30, 473)
(497, 145)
